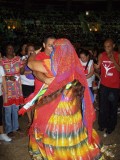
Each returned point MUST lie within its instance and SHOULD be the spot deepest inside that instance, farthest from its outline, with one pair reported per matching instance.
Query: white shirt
(2, 73)
(89, 80)
(26, 81)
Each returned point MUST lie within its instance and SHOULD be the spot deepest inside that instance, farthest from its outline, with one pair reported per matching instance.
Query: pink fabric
(67, 66)
(40, 56)
(12, 68)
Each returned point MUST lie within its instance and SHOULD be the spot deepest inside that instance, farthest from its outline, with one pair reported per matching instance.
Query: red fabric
(68, 68)
(40, 56)
(22, 111)
(109, 74)
(12, 68)
(38, 84)
(43, 115)
(15, 101)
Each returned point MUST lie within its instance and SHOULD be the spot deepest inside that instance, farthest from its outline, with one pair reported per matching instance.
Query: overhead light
(87, 13)
(8, 27)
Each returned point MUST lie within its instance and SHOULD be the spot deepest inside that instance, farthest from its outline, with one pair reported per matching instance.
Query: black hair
(85, 52)
(77, 91)
(50, 36)
(20, 49)
(6, 46)
(28, 45)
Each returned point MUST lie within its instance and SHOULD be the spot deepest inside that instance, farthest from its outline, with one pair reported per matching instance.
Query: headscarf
(66, 68)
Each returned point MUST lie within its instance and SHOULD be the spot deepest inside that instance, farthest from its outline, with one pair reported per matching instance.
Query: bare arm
(117, 66)
(22, 69)
(97, 75)
(39, 70)
(36, 65)
(42, 77)
(97, 66)
(91, 72)
(28, 72)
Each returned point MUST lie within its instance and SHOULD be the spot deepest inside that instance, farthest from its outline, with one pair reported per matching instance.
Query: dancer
(59, 131)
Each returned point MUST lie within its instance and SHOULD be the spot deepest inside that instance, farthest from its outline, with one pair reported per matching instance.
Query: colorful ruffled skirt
(66, 137)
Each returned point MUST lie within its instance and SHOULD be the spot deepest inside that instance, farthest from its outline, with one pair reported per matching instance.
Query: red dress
(12, 68)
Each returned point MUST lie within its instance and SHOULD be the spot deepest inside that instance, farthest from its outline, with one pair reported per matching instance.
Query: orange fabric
(47, 64)
(38, 84)
(65, 63)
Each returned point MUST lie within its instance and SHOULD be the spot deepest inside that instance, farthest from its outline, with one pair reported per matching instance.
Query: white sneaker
(4, 137)
(105, 135)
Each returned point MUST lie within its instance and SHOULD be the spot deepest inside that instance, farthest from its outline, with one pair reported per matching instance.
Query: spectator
(28, 80)
(109, 64)
(3, 86)
(58, 128)
(87, 63)
(13, 67)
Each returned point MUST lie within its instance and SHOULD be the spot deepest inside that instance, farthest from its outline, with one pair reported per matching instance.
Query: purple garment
(29, 76)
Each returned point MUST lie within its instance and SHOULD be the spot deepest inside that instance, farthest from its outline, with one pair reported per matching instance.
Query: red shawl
(66, 66)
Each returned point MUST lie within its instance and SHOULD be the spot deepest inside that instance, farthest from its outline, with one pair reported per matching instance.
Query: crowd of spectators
(33, 25)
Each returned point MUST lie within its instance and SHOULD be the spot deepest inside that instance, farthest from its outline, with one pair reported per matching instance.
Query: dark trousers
(27, 90)
(107, 117)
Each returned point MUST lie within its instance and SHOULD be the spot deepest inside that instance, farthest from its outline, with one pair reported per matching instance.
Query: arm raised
(36, 65)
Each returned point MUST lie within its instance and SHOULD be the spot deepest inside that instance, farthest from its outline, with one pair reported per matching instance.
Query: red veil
(66, 67)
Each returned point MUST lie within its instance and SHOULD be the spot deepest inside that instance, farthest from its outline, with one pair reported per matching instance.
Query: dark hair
(77, 91)
(85, 52)
(20, 49)
(8, 44)
(28, 45)
(50, 36)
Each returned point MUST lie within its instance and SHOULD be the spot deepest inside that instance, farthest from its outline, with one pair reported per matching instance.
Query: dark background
(96, 5)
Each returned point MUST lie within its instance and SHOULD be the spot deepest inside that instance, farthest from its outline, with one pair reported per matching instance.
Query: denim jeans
(107, 117)
(11, 118)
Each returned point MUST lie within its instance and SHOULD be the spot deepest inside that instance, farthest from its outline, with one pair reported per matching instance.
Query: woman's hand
(48, 81)
(11, 78)
(96, 66)
(24, 62)
(111, 57)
